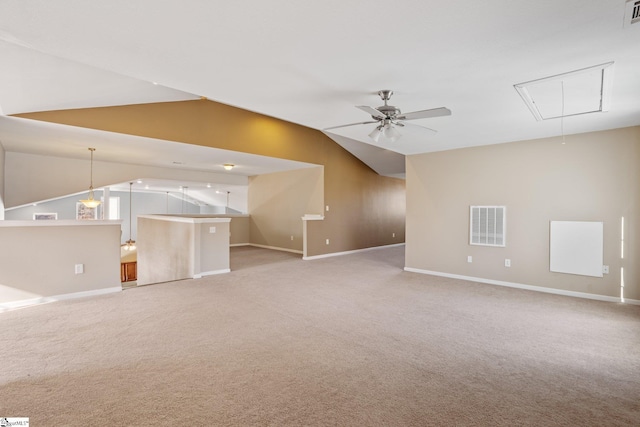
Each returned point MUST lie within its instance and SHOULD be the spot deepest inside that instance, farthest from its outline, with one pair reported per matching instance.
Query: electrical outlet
(291, 238)
(469, 258)
(79, 269)
(326, 208)
(327, 241)
(507, 263)
(605, 269)
(393, 234)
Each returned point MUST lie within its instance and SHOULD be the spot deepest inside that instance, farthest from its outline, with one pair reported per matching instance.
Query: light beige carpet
(350, 340)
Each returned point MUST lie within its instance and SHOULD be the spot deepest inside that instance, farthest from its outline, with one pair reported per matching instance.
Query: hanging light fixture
(387, 130)
(91, 202)
(129, 245)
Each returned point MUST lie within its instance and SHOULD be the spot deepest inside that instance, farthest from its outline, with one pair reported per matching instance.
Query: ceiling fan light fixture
(387, 130)
(375, 133)
(388, 118)
(391, 133)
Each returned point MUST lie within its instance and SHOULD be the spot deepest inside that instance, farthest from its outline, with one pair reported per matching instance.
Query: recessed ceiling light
(208, 185)
(139, 181)
(583, 91)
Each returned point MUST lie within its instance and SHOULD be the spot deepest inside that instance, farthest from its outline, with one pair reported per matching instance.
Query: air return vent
(487, 225)
(632, 12)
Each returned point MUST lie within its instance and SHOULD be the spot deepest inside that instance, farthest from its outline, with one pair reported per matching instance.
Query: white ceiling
(311, 63)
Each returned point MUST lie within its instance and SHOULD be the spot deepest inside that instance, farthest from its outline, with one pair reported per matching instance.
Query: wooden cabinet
(128, 271)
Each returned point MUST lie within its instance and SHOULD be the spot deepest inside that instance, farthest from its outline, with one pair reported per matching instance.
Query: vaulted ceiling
(311, 63)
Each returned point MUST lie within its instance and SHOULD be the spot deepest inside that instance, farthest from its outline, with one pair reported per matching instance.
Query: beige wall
(165, 250)
(239, 229)
(31, 178)
(593, 177)
(277, 202)
(180, 247)
(366, 209)
(32, 264)
(2, 157)
(212, 249)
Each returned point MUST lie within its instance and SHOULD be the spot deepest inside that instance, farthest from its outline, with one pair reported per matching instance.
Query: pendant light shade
(91, 202)
(129, 245)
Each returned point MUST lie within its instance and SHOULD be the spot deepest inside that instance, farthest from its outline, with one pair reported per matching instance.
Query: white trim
(58, 223)
(309, 258)
(527, 287)
(233, 245)
(12, 305)
(190, 220)
(275, 248)
(211, 273)
(313, 217)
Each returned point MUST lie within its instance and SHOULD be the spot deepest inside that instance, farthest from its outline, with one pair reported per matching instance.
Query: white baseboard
(211, 273)
(527, 287)
(309, 258)
(12, 305)
(275, 248)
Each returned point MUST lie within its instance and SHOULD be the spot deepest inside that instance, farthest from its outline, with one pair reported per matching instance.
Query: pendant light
(130, 245)
(91, 202)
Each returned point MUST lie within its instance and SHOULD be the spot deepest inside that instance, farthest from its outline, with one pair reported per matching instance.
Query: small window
(487, 225)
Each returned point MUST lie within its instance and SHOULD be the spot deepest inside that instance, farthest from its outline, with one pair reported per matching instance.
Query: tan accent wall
(593, 177)
(277, 202)
(366, 209)
(32, 265)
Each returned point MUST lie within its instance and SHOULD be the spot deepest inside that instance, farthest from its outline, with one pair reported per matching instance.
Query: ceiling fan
(388, 117)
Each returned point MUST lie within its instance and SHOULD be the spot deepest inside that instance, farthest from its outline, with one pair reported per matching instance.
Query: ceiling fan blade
(415, 126)
(372, 111)
(351, 124)
(425, 114)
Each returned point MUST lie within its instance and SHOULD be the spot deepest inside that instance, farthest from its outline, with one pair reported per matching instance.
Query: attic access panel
(578, 92)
